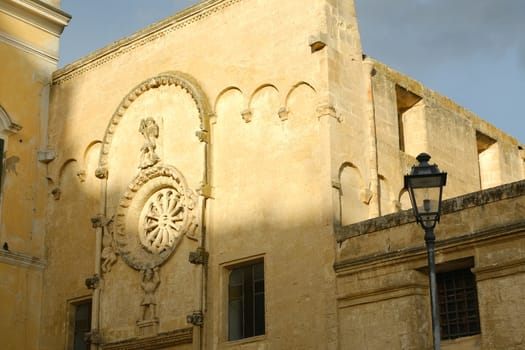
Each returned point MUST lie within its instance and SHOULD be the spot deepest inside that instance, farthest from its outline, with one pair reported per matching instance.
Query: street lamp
(425, 187)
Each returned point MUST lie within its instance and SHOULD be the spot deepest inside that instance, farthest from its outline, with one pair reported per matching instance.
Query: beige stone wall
(382, 283)
(266, 152)
(446, 131)
(278, 130)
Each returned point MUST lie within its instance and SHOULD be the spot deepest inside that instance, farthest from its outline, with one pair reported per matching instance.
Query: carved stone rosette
(153, 215)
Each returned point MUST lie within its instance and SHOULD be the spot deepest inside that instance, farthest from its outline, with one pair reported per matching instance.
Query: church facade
(232, 178)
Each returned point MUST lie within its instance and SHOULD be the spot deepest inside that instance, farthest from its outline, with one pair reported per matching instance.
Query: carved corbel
(336, 184)
(101, 173)
(283, 113)
(56, 192)
(205, 190)
(317, 42)
(327, 110)
(397, 205)
(196, 318)
(199, 257)
(81, 174)
(46, 156)
(203, 136)
(365, 196)
(92, 282)
(98, 221)
(247, 115)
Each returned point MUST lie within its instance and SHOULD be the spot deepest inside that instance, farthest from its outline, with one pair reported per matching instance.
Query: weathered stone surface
(280, 133)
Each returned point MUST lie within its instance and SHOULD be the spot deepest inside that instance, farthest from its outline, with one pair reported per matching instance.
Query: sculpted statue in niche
(149, 284)
(150, 130)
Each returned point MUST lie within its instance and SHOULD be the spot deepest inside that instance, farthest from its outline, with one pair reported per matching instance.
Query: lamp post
(425, 187)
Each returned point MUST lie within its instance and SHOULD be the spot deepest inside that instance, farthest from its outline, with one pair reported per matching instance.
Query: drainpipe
(200, 257)
(100, 223)
(374, 204)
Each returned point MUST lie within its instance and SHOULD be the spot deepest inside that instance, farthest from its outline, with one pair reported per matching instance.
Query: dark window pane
(82, 325)
(246, 301)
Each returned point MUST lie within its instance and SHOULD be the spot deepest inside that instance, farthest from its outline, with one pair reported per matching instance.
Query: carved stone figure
(150, 130)
(109, 252)
(150, 283)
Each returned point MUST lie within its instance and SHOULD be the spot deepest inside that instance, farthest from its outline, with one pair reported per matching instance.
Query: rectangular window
(246, 301)
(82, 325)
(458, 303)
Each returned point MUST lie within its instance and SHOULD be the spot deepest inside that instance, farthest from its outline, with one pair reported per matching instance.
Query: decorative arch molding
(261, 87)
(224, 92)
(294, 87)
(351, 165)
(182, 80)
(220, 96)
(6, 124)
(89, 148)
(284, 111)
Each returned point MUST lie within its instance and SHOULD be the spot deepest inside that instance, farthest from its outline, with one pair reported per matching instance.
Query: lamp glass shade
(425, 187)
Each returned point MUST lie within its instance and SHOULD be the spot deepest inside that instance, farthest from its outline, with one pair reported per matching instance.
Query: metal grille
(458, 304)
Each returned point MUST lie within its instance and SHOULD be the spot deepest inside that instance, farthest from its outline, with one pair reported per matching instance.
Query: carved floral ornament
(156, 211)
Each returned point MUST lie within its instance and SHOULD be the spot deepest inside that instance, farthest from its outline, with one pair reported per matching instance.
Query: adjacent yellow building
(232, 178)
(29, 39)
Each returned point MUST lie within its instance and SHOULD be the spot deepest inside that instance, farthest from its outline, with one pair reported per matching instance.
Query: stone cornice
(27, 47)
(511, 231)
(38, 14)
(161, 341)
(143, 37)
(500, 270)
(22, 260)
(450, 206)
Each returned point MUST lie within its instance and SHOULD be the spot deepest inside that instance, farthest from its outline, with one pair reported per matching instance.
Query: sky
(472, 51)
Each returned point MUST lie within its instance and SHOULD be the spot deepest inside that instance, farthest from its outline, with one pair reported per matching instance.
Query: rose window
(162, 220)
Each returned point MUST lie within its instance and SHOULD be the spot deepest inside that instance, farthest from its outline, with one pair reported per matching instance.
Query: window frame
(72, 308)
(462, 303)
(228, 269)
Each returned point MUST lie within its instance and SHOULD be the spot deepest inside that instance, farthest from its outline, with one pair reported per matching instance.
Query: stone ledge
(452, 205)
(195, 13)
(37, 13)
(499, 270)
(508, 230)
(161, 341)
(22, 260)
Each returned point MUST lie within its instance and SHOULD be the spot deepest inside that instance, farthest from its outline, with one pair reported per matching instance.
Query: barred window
(458, 304)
